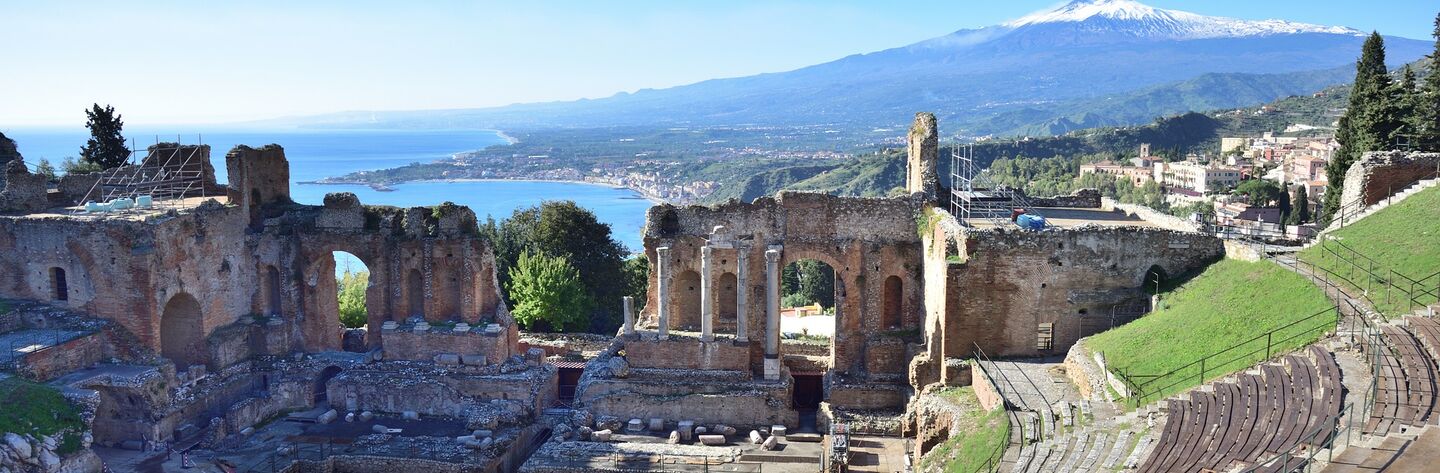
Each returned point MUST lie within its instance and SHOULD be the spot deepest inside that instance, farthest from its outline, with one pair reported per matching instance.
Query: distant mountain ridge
(1043, 73)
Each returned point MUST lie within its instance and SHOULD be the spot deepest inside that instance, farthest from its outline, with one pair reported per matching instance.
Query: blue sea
(316, 154)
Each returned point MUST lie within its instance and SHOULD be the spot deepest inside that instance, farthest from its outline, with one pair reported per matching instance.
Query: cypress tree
(106, 146)
(1300, 206)
(1407, 106)
(1370, 122)
(1428, 105)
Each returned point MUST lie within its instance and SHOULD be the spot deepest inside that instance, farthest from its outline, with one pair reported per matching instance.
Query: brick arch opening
(1154, 279)
(270, 287)
(415, 293)
(182, 334)
(892, 302)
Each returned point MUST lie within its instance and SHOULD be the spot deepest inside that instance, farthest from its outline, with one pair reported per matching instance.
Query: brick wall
(686, 353)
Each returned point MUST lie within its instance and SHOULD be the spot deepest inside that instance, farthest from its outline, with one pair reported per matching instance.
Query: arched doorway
(892, 303)
(415, 293)
(271, 288)
(322, 391)
(59, 286)
(352, 281)
(1155, 280)
(182, 337)
(687, 302)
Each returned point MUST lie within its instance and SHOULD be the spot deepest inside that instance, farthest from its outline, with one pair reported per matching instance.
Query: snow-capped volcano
(1136, 19)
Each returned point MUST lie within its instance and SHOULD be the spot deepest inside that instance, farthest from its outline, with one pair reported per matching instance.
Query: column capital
(772, 255)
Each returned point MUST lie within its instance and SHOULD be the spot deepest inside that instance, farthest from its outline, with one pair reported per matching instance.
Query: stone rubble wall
(20, 190)
(1080, 198)
(1154, 217)
(1378, 175)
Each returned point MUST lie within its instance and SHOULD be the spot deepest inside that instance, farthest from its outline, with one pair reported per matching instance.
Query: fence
(1301, 457)
(992, 462)
(1402, 294)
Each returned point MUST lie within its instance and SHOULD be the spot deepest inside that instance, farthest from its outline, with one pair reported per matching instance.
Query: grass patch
(981, 433)
(1402, 238)
(1227, 309)
(37, 409)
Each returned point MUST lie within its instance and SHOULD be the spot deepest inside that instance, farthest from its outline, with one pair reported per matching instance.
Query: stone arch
(415, 293)
(59, 285)
(892, 303)
(687, 299)
(727, 287)
(321, 388)
(1153, 279)
(182, 334)
(270, 287)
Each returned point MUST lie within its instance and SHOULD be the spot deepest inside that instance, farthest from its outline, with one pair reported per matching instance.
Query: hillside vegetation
(1226, 309)
(1404, 237)
(980, 434)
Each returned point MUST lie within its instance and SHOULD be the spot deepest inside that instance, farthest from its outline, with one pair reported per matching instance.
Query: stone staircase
(1381, 205)
(1077, 442)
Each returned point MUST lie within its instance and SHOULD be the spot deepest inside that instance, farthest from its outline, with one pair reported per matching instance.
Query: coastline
(654, 199)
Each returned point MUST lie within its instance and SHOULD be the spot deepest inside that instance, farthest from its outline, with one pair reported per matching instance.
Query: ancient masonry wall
(1378, 175)
(1011, 282)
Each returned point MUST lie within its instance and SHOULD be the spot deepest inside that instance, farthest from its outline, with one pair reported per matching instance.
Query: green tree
(1262, 192)
(1370, 122)
(352, 297)
(1301, 205)
(562, 228)
(1428, 106)
(106, 146)
(1407, 105)
(71, 166)
(637, 280)
(44, 168)
(807, 282)
(548, 294)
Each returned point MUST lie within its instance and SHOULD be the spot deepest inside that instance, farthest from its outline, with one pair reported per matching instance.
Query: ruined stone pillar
(707, 312)
(923, 149)
(772, 314)
(662, 271)
(629, 316)
(742, 293)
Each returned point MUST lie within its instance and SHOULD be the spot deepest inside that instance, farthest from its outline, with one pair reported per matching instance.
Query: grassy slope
(1405, 237)
(36, 409)
(982, 432)
(1231, 303)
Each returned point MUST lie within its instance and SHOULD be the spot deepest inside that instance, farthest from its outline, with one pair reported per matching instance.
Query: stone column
(629, 316)
(742, 293)
(772, 314)
(662, 271)
(707, 313)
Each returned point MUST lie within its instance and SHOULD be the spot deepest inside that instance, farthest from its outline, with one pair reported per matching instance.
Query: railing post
(1267, 346)
(1202, 371)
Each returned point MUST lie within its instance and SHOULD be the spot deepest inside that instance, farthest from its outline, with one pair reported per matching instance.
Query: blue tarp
(1030, 222)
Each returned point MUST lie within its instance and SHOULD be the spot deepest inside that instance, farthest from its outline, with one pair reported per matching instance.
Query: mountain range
(1084, 64)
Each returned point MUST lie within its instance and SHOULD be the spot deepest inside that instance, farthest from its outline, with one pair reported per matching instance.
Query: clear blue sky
(195, 62)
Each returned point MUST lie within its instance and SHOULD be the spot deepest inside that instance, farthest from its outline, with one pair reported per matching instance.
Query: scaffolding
(974, 196)
(164, 175)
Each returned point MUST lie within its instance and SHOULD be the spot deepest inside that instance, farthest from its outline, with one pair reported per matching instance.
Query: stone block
(365, 416)
(686, 429)
(534, 356)
(777, 430)
(635, 426)
(656, 424)
(712, 439)
(482, 433)
(328, 417)
(410, 415)
(723, 429)
(755, 437)
(447, 359)
(379, 429)
(601, 435)
(473, 360)
(771, 443)
(349, 417)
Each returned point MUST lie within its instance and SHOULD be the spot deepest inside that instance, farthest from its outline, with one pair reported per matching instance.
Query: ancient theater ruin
(193, 322)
